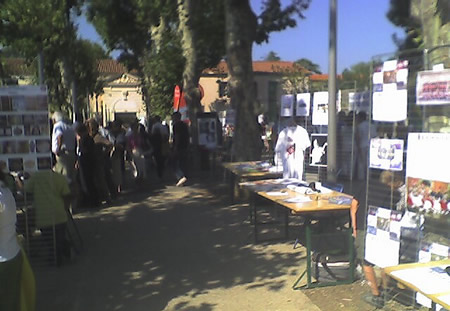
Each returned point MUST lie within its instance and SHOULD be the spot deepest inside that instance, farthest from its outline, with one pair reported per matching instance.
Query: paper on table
(445, 299)
(276, 193)
(430, 280)
(299, 199)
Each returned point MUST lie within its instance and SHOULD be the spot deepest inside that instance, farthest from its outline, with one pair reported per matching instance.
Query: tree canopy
(309, 65)
(272, 56)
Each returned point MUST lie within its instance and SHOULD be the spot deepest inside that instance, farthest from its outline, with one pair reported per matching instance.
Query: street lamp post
(332, 136)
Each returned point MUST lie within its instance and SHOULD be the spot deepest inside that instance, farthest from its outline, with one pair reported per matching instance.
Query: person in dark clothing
(159, 139)
(180, 146)
(86, 161)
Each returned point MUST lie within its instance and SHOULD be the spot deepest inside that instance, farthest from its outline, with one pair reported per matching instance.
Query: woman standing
(10, 255)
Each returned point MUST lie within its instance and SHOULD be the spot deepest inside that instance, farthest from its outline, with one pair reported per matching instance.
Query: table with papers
(429, 279)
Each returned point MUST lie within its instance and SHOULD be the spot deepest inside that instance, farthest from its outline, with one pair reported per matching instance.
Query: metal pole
(332, 137)
(41, 68)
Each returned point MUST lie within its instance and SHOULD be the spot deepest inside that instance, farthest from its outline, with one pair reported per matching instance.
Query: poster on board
(433, 87)
(24, 129)
(318, 155)
(386, 154)
(383, 233)
(428, 171)
(303, 104)
(287, 105)
(320, 108)
(359, 101)
(390, 98)
(207, 130)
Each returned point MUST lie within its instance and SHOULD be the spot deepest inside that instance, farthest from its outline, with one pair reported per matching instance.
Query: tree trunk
(191, 73)
(240, 35)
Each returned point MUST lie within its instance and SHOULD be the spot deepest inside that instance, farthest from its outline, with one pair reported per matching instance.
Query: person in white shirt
(10, 254)
(291, 144)
(63, 146)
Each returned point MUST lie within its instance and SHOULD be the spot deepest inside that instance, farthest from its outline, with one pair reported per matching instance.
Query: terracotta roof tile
(258, 66)
(110, 66)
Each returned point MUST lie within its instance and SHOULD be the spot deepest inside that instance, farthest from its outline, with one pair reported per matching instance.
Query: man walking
(180, 146)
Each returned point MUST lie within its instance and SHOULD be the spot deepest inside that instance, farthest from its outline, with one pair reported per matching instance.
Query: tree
(399, 15)
(309, 65)
(272, 57)
(202, 39)
(168, 42)
(29, 28)
(243, 28)
(357, 76)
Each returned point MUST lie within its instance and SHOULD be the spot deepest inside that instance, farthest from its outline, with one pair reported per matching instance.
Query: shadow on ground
(161, 247)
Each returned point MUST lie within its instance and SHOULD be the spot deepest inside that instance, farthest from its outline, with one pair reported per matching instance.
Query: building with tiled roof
(269, 78)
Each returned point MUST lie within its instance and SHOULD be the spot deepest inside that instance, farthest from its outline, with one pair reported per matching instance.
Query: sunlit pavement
(174, 248)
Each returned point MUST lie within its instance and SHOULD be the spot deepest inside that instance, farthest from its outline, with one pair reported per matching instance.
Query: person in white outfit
(290, 147)
(10, 255)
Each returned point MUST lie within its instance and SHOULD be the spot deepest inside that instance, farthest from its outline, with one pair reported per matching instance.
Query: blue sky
(363, 32)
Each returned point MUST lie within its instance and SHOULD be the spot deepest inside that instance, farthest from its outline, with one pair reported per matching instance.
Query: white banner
(428, 156)
(433, 87)
(320, 108)
(303, 104)
(386, 154)
(390, 96)
(287, 105)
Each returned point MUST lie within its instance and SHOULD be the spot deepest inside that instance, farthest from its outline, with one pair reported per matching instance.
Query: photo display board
(24, 129)
(390, 98)
(320, 108)
(207, 130)
(359, 101)
(428, 171)
(386, 154)
(287, 105)
(303, 104)
(433, 87)
(383, 236)
(318, 155)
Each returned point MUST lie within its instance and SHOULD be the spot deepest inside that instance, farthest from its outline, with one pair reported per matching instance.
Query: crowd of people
(93, 158)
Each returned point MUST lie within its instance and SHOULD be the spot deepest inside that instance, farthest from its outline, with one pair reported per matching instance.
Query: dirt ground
(161, 247)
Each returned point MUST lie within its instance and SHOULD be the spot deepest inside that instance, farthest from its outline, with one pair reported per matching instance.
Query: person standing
(117, 138)
(51, 199)
(10, 254)
(86, 163)
(180, 147)
(63, 146)
(102, 149)
(290, 147)
(160, 140)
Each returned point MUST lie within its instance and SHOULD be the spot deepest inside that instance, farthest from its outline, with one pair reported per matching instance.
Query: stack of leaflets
(340, 200)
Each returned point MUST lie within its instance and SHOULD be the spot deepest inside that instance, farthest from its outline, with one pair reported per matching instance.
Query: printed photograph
(427, 195)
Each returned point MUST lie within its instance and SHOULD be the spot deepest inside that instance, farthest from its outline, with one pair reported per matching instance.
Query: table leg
(255, 212)
(308, 252)
(232, 185)
(286, 223)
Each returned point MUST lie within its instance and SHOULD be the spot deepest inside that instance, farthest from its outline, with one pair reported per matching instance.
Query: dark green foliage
(309, 65)
(272, 56)
(399, 15)
(276, 18)
(357, 76)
